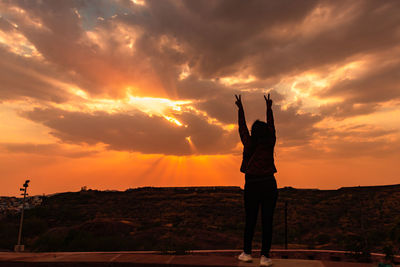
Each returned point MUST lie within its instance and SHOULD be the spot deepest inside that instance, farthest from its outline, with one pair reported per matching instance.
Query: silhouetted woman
(260, 185)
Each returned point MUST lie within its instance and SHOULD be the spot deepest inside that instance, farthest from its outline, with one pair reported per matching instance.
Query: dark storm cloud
(266, 37)
(219, 36)
(136, 132)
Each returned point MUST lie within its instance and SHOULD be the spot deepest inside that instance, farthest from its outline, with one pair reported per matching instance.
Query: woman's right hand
(239, 101)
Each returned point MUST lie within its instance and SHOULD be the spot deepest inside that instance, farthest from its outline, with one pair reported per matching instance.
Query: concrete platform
(148, 259)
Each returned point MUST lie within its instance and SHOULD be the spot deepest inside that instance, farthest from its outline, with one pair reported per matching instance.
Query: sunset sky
(122, 94)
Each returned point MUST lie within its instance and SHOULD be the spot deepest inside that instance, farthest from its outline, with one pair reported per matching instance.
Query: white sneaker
(245, 257)
(264, 261)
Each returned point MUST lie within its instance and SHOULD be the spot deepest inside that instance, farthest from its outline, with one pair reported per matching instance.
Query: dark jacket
(257, 159)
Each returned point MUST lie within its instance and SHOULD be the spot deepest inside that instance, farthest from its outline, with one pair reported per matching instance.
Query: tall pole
(22, 218)
(286, 226)
(19, 247)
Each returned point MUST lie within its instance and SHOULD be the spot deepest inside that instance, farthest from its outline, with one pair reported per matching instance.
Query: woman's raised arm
(270, 114)
(243, 131)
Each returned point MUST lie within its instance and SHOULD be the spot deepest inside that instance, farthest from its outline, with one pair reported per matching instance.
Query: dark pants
(259, 193)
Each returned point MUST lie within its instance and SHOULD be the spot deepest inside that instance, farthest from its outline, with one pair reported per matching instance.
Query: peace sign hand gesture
(268, 101)
(238, 101)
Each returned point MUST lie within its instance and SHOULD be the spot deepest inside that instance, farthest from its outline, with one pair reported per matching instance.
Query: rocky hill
(187, 218)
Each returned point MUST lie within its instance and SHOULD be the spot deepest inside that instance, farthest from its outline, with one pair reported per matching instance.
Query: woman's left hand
(239, 101)
(268, 101)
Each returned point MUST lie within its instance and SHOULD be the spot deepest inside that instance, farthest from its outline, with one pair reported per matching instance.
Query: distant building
(13, 204)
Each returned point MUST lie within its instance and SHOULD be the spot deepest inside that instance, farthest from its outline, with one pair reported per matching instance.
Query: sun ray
(192, 146)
